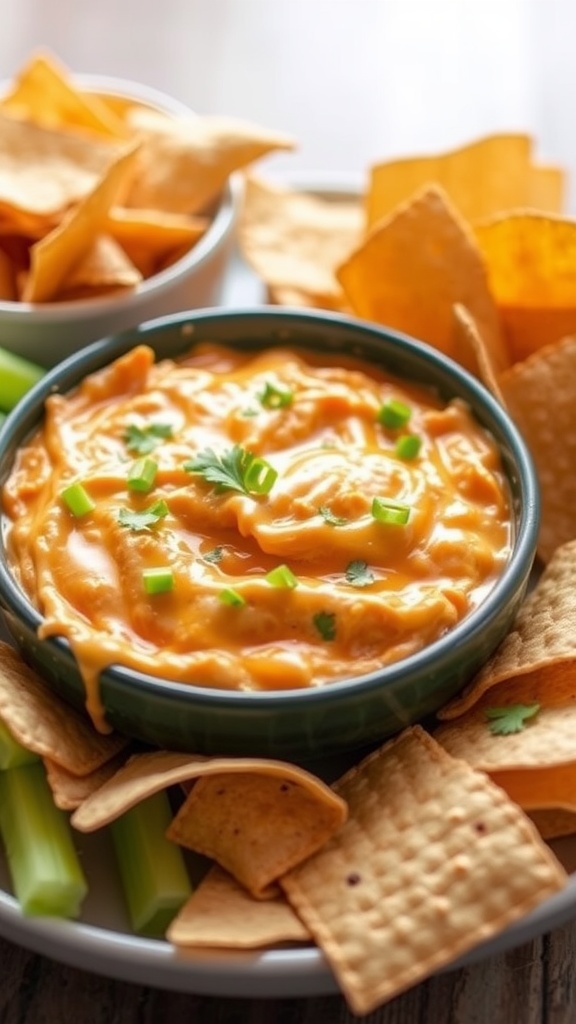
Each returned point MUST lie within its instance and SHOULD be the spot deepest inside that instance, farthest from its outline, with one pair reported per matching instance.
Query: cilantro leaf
(358, 574)
(143, 520)
(325, 623)
(234, 469)
(506, 720)
(330, 517)
(215, 555)
(144, 440)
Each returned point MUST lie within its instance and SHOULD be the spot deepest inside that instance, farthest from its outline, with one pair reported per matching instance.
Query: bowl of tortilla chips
(287, 544)
(118, 204)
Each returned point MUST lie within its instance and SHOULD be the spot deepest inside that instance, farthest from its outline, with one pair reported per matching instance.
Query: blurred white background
(354, 81)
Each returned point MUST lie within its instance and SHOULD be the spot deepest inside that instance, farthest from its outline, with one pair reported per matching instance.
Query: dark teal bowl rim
(417, 361)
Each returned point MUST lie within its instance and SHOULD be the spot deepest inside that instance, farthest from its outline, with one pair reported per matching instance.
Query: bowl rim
(439, 653)
(220, 227)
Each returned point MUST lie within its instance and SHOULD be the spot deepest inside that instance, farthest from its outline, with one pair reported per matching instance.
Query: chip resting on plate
(44, 724)
(540, 649)
(433, 859)
(221, 913)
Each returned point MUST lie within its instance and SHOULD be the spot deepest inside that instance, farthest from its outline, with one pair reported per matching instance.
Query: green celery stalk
(12, 753)
(151, 867)
(17, 375)
(46, 874)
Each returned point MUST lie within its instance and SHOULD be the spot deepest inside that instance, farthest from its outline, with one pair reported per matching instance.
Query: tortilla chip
(43, 723)
(412, 269)
(553, 822)
(44, 92)
(69, 790)
(547, 189)
(184, 163)
(148, 773)
(472, 352)
(53, 258)
(433, 859)
(43, 173)
(150, 238)
(106, 266)
(540, 394)
(486, 176)
(296, 241)
(8, 292)
(541, 788)
(256, 826)
(221, 914)
(540, 649)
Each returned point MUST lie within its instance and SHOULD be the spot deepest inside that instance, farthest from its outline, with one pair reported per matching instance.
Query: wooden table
(534, 984)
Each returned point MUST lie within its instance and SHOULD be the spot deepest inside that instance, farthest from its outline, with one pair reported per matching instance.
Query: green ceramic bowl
(297, 724)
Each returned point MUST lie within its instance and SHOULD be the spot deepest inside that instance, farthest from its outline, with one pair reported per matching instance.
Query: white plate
(101, 941)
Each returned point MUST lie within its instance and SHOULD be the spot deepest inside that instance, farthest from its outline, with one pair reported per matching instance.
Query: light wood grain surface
(354, 81)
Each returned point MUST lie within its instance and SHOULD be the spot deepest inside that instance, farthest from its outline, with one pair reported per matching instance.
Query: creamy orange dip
(349, 592)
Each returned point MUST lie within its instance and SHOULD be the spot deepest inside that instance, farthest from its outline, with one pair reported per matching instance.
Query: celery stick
(12, 753)
(46, 875)
(152, 869)
(17, 375)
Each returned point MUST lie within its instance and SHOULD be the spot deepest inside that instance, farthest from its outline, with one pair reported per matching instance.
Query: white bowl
(48, 332)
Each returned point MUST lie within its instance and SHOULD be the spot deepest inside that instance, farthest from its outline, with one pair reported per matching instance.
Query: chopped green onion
(12, 753)
(152, 869)
(282, 576)
(77, 499)
(393, 513)
(234, 469)
(394, 414)
(43, 863)
(408, 446)
(158, 580)
(260, 477)
(274, 397)
(17, 376)
(142, 475)
(231, 597)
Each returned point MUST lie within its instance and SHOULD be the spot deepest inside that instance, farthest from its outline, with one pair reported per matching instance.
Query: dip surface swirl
(353, 592)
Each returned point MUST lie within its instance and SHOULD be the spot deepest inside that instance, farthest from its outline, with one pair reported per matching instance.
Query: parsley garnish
(144, 440)
(330, 517)
(507, 720)
(358, 574)
(234, 469)
(145, 519)
(325, 623)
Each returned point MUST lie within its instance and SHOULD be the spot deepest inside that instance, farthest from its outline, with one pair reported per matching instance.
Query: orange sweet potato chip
(531, 260)
(484, 177)
(44, 93)
(540, 394)
(221, 914)
(412, 269)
